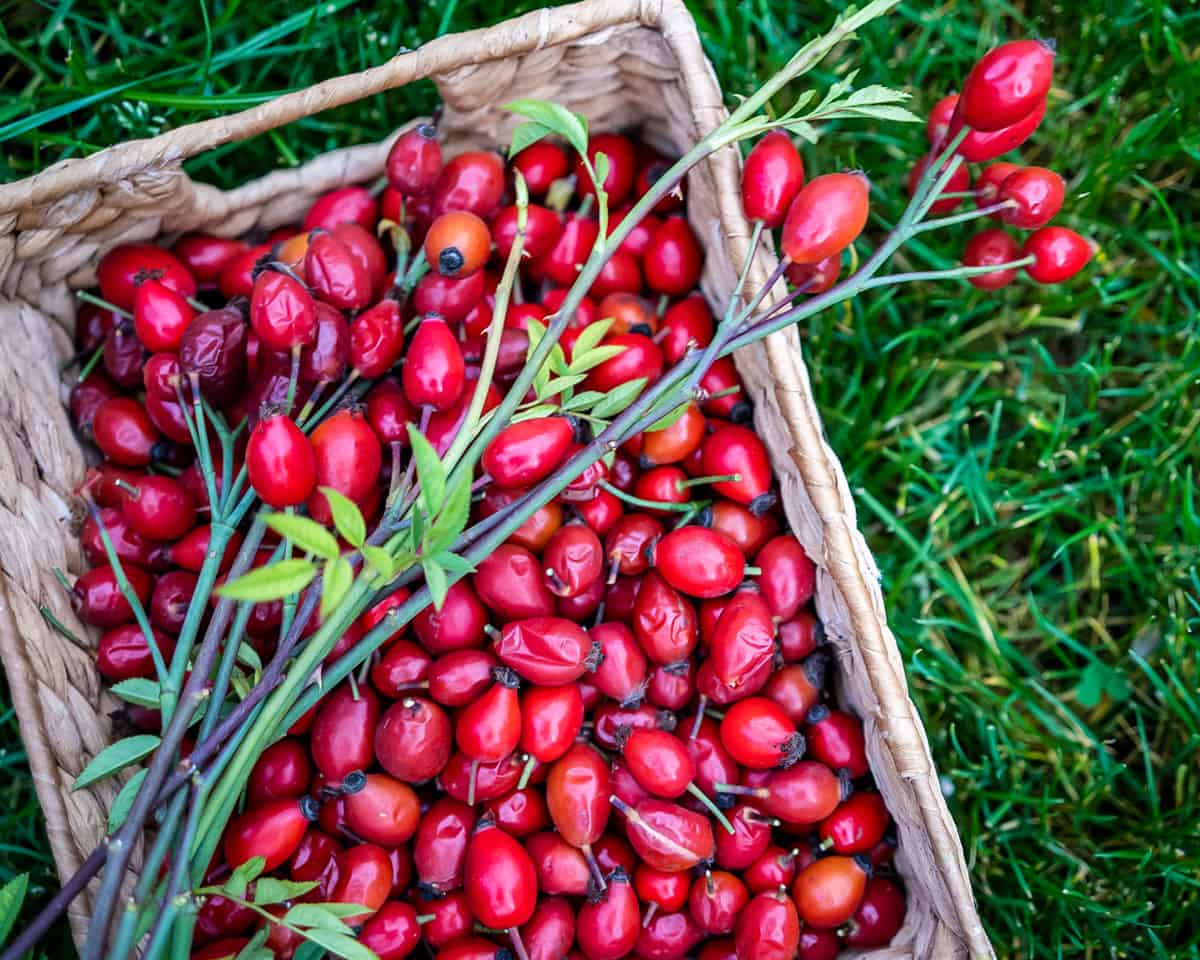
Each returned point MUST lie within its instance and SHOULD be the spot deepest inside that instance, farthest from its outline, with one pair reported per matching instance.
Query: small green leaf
(115, 757)
(346, 517)
(570, 126)
(243, 876)
(124, 800)
(309, 951)
(272, 582)
(380, 560)
(454, 563)
(336, 579)
(805, 131)
(553, 388)
(435, 579)
(582, 362)
(269, 890)
(430, 472)
(532, 413)
(344, 909)
(582, 401)
(304, 532)
(323, 916)
(672, 417)
(526, 134)
(248, 656)
(619, 398)
(139, 690)
(534, 330)
(590, 336)
(452, 519)
(342, 944)
(12, 895)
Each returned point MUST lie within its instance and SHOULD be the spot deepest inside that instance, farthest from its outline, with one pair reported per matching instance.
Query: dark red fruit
(415, 160)
(990, 248)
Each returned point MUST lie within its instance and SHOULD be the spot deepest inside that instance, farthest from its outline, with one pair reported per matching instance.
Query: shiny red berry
(280, 462)
(415, 160)
(1059, 254)
(1006, 84)
(826, 216)
(1037, 195)
(772, 176)
(990, 248)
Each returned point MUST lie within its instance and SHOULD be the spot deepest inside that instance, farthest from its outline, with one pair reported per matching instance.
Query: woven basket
(625, 64)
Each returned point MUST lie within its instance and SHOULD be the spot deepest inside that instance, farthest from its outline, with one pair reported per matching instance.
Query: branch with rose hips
(277, 509)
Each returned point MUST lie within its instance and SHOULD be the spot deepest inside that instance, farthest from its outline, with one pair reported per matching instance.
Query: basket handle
(523, 34)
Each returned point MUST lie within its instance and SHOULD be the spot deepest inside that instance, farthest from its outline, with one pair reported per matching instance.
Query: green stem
(963, 217)
(495, 333)
(135, 604)
(102, 303)
(646, 504)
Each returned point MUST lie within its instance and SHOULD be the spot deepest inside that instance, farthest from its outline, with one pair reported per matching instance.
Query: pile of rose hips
(615, 736)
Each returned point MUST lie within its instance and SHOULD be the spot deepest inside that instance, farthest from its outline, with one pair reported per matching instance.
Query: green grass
(1024, 464)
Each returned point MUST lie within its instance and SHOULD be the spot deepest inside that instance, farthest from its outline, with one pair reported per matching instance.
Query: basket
(622, 63)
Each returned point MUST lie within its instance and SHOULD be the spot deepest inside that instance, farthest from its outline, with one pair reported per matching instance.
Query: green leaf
(591, 336)
(304, 532)
(309, 951)
(430, 472)
(534, 330)
(344, 909)
(805, 131)
(272, 582)
(582, 362)
(874, 94)
(380, 561)
(619, 398)
(323, 916)
(582, 401)
(1097, 681)
(124, 800)
(454, 563)
(115, 757)
(336, 579)
(452, 519)
(674, 416)
(538, 410)
(12, 895)
(248, 656)
(243, 876)
(526, 134)
(553, 388)
(139, 690)
(269, 890)
(346, 517)
(435, 579)
(555, 117)
(342, 944)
